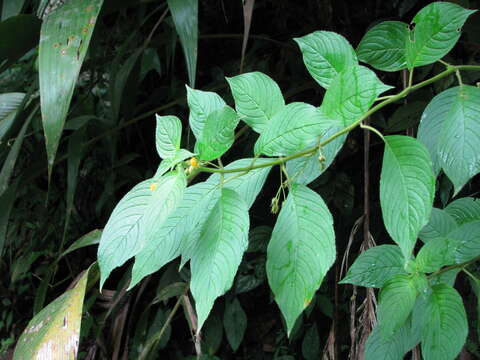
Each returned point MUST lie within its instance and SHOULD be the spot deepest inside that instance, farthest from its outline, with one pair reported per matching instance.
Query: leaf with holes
(201, 104)
(64, 40)
(407, 188)
(326, 54)
(436, 31)
(136, 216)
(168, 136)
(351, 94)
(292, 129)
(218, 133)
(218, 252)
(375, 266)
(257, 98)
(300, 252)
(384, 46)
(450, 129)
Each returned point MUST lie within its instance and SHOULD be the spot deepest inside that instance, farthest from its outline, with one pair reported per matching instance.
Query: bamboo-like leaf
(65, 36)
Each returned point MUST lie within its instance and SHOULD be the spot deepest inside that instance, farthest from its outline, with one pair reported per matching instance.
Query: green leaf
(311, 344)
(55, 331)
(464, 210)
(436, 31)
(407, 188)
(439, 225)
(351, 94)
(450, 129)
(136, 216)
(405, 116)
(235, 323)
(218, 252)
(395, 347)
(305, 169)
(447, 277)
(91, 238)
(435, 254)
(185, 18)
(179, 232)
(257, 98)
(384, 46)
(249, 184)
(326, 54)
(466, 241)
(169, 163)
(9, 103)
(375, 266)
(445, 326)
(168, 136)
(292, 129)
(218, 133)
(201, 104)
(26, 29)
(300, 252)
(11, 8)
(64, 40)
(7, 199)
(398, 293)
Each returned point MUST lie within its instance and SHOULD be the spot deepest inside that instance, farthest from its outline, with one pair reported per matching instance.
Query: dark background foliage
(116, 152)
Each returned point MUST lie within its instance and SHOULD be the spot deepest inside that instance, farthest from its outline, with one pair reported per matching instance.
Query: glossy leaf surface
(168, 136)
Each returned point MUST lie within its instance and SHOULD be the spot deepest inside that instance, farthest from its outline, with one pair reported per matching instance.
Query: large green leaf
(444, 324)
(201, 104)
(326, 54)
(450, 128)
(218, 133)
(300, 252)
(439, 225)
(292, 129)
(466, 241)
(249, 184)
(137, 215)
(178, 232)
(407, 188)
(398, 293)
(26, 29)
(375, 266)
(435, 254)
(54, 333)
(464, 210)
(168, 136)
(218, 252)
(384, 46)
(64, 40)
(305, 169)
(185, 18)
(436, 31)
(257, 98)
(351, 94)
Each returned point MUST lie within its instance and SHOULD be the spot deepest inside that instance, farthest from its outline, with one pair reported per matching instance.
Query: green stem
(350, 127)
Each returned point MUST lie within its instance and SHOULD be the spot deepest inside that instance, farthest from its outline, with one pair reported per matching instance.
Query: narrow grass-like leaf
(249, 184)
(375, 266)
(445, 326)
(7, 199)
(136, 216)
(257, 98)
(300, 252)
(407, 188)
(326, 54)
(64, 41)
(384, 46)
(436, 31)
(464, 210)
(450, 128)
(218, 133)
(218, 252)
(398, 293)
(201, 104)
(351, 94)
(292, 129)
(185, 18)
(439, 225)
(168, 136)
(55, 331)
(178, 232)
(91, 238)
(9, 103)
